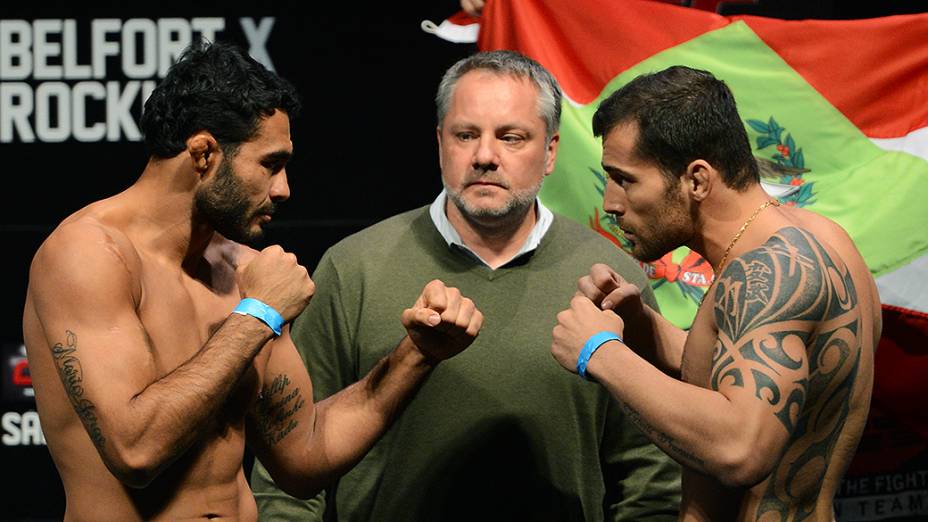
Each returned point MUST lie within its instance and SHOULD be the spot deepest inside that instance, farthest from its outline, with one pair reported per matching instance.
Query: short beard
(512, 212)
(671, 230)
(223, 204)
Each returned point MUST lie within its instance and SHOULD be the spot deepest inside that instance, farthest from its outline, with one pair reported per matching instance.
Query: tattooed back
(795, 322)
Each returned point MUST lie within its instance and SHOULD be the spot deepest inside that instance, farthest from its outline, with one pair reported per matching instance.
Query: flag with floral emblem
(837, 115)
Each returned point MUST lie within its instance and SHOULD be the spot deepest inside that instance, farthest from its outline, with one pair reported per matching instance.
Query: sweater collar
(453, 238)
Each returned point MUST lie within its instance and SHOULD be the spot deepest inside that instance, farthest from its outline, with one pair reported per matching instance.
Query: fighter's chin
(251, 236)
(644, 254)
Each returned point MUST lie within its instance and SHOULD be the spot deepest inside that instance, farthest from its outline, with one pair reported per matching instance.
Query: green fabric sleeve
(642, 482)
(276, 506)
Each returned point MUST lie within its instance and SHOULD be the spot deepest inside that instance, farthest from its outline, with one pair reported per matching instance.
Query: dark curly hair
(215, 87)
(683, 114)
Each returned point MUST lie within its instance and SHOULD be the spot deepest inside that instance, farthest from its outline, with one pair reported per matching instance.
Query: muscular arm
(767, 305)
(85, 287)
(304, 446)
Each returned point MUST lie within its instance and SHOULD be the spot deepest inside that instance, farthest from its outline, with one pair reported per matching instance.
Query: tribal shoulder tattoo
(789, 327)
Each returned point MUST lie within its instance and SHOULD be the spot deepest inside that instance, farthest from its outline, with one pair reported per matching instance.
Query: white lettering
(31, 429)
(208, 27)
(257, 39)
(117, 111)
(131, 31)
(11, 433)
(81, 92)
(22, 429)
(174, 35)
(43, 49)
(15, 45)
(45, 128)
(72, 70)
(15, 108)
(100, 46)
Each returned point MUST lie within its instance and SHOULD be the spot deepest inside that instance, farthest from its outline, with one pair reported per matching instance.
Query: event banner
(837, 117)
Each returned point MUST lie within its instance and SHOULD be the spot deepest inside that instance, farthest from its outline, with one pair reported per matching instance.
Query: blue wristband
(261, 311)
(594, 342)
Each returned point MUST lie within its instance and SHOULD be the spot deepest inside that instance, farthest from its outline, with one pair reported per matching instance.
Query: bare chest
(180, 311)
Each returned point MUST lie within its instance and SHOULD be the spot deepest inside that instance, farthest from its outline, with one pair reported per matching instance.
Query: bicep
(283, 415)
(765, 308)
(83, 299)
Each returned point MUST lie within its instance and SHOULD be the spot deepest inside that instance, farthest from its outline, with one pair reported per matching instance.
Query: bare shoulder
(842, 247)
(784, 279)
(85, 248)
(830, 234)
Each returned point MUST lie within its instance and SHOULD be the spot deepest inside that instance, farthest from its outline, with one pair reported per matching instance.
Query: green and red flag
(837, 115)
(837, 112)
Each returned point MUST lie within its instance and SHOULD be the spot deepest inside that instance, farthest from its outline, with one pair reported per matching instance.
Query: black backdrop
(364, 150)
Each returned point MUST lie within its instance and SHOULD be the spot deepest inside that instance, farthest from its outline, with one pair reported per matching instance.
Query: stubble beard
(671, 229)
(510, 213)
(224, 206)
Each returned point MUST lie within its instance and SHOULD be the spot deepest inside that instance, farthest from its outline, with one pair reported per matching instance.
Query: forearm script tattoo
(275, 409)
(789, 326)
(72, 376)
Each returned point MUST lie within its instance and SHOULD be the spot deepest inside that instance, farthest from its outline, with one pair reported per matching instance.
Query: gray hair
(508, 63)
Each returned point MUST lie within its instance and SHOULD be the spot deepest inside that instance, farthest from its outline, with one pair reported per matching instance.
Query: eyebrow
(616, 171)
(278, 156)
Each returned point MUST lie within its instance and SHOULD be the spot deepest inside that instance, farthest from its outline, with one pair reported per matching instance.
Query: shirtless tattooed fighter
(764, 400)
(147, 383)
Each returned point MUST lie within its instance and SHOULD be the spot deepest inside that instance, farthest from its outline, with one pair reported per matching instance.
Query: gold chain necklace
(737, 236)
(744, 227)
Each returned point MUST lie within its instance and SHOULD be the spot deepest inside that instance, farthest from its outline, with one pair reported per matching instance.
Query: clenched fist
(609, 291)
(442, 322)
(575, 326)
(275, 278)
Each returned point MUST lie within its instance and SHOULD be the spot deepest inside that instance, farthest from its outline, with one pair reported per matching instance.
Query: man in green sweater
(499, 432)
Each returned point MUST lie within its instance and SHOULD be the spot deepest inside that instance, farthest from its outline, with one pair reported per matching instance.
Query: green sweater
(499, 432)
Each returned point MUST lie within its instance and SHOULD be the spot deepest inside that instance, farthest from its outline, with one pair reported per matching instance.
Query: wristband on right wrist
(261, 311)
(592, 344)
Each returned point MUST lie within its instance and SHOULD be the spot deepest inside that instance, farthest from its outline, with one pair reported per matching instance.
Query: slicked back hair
(506, 63)
(682, 114)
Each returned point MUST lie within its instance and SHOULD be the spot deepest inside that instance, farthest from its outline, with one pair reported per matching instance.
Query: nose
(486, 157)
(614, 198)
(280, 189)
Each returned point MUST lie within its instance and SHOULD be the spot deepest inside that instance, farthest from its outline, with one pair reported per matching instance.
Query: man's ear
(699, 179)
(438, 135)
(551, 153)
(203, 148)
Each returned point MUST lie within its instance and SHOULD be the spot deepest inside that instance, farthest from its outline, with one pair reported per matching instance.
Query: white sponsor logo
(21, 429)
